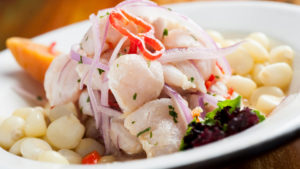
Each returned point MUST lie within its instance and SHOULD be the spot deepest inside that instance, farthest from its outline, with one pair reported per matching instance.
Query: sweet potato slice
(32, 57)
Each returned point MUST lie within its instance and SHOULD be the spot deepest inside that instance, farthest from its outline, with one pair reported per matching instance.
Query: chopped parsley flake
(149, 63)
(100, 71)
(166, 32)
(156, 144)
(107, 13)
(144, 131)
(39, 98)
(80, 61)
(218, 77)
(87, 37)
(88, 99)
(132, 122)
(173, 113)
(192, 79)
(205, 104)
(78, 80)
(150, 134)
(134, 96)
(169, 9)
(117, 65)
(80, 109)
(214, 94)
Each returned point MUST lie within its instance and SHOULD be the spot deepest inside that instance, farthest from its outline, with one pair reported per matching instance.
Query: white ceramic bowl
(279, 21)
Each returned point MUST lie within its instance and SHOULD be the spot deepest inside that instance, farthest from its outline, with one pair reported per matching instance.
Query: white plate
(279, 21)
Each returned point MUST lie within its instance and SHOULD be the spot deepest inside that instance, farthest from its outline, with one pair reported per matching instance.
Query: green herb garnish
(100, 71)
(132, 122)
(39, 98)
(88, 99)
(134, 96)
(143, 131)
(78, 80)
(80, 61)
(173, 113)
(192, 79)
(166, 32)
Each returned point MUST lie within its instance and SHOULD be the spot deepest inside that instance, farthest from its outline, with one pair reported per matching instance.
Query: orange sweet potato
(32, 57)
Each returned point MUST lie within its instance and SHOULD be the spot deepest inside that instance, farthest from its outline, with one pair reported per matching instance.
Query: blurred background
(28, 18)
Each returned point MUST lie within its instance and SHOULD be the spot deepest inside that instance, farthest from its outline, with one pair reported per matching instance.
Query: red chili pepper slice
(133, 48)
(210, 81)
(142, 38)
(51, 48)
(218, 65)
(91, 158)
(229, 93)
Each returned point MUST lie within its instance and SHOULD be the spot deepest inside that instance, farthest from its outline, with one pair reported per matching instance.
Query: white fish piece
(83, 70)
(122, 139)
(159, 25)
(85, 103)
(163, 135)
(60, 82)
(193, 75)
(134, 82)
(174, 77)
(87, 43)
(205, 67)
(179, 38)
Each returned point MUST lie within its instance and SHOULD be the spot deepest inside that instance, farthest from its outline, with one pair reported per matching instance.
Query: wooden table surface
(29, 18)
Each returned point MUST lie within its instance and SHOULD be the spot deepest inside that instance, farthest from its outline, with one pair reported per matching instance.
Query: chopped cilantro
(134, 96)
(166, 32)
(87, 37)
(205, 104)
(156, 144)
(88, 99)
(169, 9)
(100, 71)
(218, 77)
(150, 134)
(39, 98)
(214, 94)
(80, 61)
(149, 63)
(173, 113)
(107, 13)
(192, 79)
(117, 65)
(143, 131)
(78, 80)
(132, 122)
(80, 109)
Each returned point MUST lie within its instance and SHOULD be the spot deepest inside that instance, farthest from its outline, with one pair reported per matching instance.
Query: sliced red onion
(29, 95)
(117, 50)
(180, 102)
(86, 60)
(181, 54)
(104, 93)
(130, 2)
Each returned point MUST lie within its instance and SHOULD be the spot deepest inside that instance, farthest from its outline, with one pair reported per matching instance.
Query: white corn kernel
(11, 130)
(260, 38)
(277, 74)
(31, 148)
(52, 157)
(24, 112)
(35, 124)
(65, 132)
(87, 145)
(282, 54)
(71, 156)
(107, 159)
(61, 110)
(266, 90)
(267, 103)
(240, 61)
(255, 72)
(16, 148)
(243, 86)
(256, 50)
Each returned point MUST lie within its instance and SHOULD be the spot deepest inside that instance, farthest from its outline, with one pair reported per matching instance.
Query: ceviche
(144, 81)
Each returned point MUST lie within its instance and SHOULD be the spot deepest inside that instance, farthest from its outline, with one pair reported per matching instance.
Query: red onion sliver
(86, 60)
(181, 54)
(117, 49)
(185, 110)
